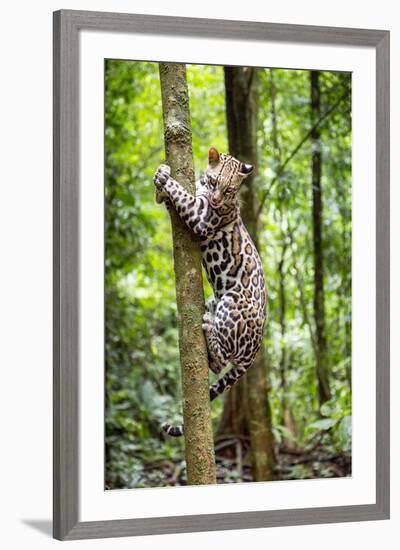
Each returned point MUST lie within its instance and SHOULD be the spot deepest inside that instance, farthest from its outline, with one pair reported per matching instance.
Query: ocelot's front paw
(211, 305)
(160, 179)
(162, 175)
(208, 321)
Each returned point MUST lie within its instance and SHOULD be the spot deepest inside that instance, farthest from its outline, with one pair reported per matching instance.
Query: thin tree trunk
(282, 320)
(241, 107)
(199, 444)
(287, 416)
(317, 213)
(345, 288)
(300, 287)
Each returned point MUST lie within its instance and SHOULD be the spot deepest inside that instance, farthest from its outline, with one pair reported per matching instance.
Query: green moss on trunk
(199, 444)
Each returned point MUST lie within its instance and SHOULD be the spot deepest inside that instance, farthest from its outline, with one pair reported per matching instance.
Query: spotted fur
(233, 323)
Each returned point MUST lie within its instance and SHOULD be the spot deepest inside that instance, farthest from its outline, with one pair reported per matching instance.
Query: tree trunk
(233, 419)
(241, 107)
(199, 444)
(317, 213)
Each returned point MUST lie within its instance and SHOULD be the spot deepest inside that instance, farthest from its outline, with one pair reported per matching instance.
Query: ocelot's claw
(162, 175)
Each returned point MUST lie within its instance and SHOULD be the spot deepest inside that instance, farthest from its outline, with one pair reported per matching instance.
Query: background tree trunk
(199, 444)
(233, 421)
(241, 109)
(317, 213)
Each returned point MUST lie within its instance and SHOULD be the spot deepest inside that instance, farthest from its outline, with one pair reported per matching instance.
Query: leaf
(328, 408)
(344, 433)
(323, 424)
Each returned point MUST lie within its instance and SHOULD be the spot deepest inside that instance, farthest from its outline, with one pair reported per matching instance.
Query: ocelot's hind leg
(217, 360)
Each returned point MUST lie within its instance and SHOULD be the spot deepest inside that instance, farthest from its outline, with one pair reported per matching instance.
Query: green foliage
(142, 357)
(287, 222)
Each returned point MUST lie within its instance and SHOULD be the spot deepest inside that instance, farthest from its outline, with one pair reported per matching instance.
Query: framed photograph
(221, 274)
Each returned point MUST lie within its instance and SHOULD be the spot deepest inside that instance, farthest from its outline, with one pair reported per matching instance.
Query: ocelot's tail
(220, 386)
(174, 431)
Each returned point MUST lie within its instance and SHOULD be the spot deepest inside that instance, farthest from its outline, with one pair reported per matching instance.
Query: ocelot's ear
(213, 156)
(246, 169)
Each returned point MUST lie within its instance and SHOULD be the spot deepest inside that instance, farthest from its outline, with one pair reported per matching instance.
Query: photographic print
(228, 288)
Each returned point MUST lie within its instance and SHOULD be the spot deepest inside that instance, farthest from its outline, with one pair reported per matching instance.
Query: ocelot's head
(224, 176)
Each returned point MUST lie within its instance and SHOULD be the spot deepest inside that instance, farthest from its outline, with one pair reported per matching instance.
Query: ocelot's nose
(216, 198)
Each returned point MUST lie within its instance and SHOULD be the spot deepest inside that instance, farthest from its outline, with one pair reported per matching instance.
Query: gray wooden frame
(67, 25)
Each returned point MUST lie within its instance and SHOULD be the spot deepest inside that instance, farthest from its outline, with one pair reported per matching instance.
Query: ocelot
(234, 319)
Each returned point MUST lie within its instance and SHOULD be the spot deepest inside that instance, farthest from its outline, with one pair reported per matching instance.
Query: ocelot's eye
(212, 181)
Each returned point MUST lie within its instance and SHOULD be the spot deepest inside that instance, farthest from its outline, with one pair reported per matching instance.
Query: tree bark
(199, 444)
(317, 214)
(241, 107)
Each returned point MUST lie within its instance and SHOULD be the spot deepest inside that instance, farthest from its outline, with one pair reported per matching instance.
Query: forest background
(299, 205)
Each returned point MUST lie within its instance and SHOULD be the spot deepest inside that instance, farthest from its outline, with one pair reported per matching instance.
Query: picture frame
(68, 25)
